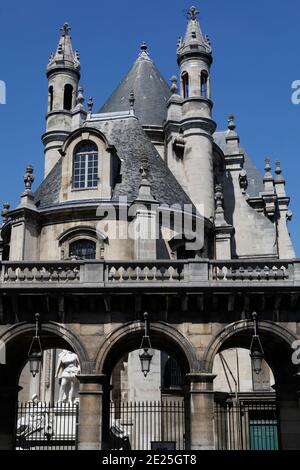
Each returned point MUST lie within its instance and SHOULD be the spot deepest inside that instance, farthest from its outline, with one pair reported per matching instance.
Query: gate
(42, 426)
(246, 425)
(147, 425)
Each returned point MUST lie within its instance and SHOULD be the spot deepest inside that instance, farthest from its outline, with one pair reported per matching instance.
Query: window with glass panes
(82, 249)
(85, 166)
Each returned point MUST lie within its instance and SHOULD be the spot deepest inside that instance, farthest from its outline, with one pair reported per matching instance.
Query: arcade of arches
(198, 377)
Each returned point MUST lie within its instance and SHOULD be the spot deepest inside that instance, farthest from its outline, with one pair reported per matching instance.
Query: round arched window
(82, 249)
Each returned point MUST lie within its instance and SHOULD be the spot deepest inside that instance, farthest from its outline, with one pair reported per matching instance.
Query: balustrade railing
(135, 272)
(40, 272)
(113, 272)
(249, 271)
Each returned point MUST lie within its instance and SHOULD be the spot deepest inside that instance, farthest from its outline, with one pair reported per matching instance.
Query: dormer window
(85, 166)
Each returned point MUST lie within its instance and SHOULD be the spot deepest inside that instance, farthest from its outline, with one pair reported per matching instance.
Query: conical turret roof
(64, 56)
(194, 41)
(151, 92)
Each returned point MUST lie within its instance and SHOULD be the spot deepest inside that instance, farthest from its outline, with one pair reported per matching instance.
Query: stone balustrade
(38, 272)
(250, 271)
(194, 272)
(141, 272)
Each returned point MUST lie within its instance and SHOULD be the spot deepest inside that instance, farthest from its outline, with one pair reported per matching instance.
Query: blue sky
(256, 59)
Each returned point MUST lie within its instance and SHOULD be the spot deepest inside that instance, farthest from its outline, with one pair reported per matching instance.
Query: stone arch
(163, 337)
(239, 335)
(52, 335)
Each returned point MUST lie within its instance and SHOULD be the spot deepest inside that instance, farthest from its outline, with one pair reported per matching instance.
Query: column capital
(91, 384)
(200, 377)
(92, 378)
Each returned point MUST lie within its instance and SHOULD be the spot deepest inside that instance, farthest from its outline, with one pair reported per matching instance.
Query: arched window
(172, 374)
(204, 83)
(82, 249)
(50, 99)
(68, 97)
(185, 85)
(85, 166)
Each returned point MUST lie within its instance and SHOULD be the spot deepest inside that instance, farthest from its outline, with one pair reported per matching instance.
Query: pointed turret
(190, 119)
(194, 56)
(64, 56)
(151, 92)
(63, 73)
(194, 42)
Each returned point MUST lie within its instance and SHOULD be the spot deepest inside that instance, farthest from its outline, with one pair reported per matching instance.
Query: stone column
(8, 408)
(288, 398)
(201, 411)
(91, 391)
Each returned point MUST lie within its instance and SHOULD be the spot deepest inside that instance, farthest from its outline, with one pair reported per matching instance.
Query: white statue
(66, 370)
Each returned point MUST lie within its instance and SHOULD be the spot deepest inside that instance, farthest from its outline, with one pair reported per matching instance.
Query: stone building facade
(146, 206)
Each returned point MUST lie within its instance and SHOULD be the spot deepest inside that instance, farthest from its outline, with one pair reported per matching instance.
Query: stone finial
(207, 39)
(267, 168)
(28, 178)
(219, 197)
(231, 122)
(144, 169)
(192, 13)
(65, 30)
(269, 196)
(77, 59)
(144, 193)
(174, 86)
(5, 211)
(179, 42)
(243, 180)
(144, 47)
(144, 52)
(219, 209)
(90, 104)
(51, 58)
(278, 171)
(80, 96)
(131, 99)
(268, 178)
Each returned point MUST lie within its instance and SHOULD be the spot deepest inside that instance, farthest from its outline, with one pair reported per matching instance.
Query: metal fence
(147, 425)
(42, 426)
(246, 425)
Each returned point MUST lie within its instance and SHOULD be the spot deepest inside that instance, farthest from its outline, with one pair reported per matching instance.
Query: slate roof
(132, 144)
(255, 179)
(47, 193)
(151, 92)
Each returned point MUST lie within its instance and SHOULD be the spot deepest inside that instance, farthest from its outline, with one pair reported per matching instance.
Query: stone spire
(284, 215)
(268, 178)
(279, 180)
(79, 113)
(64, 56)
(194, 41)
(268, 195)
(63, 74)
(223, 230)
